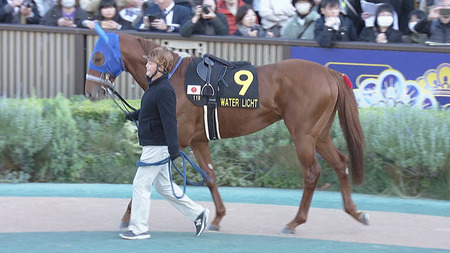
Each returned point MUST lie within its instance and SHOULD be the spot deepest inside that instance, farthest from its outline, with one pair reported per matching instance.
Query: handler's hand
(174, 156)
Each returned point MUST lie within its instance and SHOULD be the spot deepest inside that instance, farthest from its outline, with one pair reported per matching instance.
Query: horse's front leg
(203, 155)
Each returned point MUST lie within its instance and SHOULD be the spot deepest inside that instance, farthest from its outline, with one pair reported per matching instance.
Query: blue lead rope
(182, 174)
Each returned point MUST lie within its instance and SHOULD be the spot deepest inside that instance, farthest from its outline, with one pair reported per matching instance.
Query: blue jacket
(181, 14)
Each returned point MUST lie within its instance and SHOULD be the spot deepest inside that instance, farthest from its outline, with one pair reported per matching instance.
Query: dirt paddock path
(52, 214)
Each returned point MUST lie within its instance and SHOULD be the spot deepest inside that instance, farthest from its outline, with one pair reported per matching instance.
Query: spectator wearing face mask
(302, 24)
(382, 31)
(414, 37)
(67, 13)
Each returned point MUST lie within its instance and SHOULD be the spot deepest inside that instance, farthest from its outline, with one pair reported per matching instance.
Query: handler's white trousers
(159, 176)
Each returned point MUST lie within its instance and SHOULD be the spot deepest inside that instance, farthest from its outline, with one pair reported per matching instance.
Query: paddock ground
(85, 217)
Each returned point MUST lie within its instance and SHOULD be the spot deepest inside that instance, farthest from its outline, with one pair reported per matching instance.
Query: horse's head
(105, 65)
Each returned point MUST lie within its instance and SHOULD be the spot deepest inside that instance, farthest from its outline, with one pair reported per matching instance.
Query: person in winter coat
(275, 14)
(437, 26)
(414, 37)
(205, 21)
(302, 24)
(229, 8)
(382, 31)
(332, 26)
(67, 13)
(109, 17)
(246, 22)
(158, 137)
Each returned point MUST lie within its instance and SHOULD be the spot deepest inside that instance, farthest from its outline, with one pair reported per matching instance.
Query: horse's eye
(98, 59)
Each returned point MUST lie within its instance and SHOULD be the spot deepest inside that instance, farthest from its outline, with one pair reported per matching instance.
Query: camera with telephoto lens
(28, 3)
(261, 32)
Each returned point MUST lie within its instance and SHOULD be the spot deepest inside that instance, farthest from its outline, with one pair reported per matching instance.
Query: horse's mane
(148, 45)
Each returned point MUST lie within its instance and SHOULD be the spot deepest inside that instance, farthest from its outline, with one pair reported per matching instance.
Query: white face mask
(303, 8)
(411, 26)
(68, 3)
(385, 21)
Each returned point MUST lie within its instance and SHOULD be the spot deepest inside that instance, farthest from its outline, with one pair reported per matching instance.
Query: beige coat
(275, 12)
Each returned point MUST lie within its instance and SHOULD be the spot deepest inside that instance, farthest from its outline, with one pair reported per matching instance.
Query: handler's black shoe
(200, 222)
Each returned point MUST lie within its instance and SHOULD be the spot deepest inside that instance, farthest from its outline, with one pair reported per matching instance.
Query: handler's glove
(175, 156)
(130, 116)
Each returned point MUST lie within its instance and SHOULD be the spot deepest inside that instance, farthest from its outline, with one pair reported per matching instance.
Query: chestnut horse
(304, 94)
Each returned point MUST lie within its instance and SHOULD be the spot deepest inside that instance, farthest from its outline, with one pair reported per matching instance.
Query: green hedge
(76, 140)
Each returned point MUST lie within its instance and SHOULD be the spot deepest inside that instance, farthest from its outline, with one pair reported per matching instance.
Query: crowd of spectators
(326, 21)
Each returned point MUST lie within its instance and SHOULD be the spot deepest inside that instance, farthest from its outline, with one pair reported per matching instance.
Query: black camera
(205, 9)
(28, 3)
(261, 32)
(152, 17)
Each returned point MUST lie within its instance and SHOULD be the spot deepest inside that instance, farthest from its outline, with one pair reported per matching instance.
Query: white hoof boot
(364, 218)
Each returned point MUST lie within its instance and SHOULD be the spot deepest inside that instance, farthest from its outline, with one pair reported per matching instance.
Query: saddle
(212, 70)
(211, 82)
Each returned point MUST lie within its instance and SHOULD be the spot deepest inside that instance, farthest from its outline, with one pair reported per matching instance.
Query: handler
(159, 139)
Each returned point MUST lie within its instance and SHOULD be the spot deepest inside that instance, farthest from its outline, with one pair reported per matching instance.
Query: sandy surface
(55, 214)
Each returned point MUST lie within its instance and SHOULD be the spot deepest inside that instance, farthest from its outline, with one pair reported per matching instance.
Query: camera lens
(205, 9)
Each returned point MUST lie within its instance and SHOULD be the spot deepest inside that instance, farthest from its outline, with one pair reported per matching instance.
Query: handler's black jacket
(157, 116)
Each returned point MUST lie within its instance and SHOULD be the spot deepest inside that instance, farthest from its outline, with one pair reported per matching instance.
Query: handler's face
(151, 67)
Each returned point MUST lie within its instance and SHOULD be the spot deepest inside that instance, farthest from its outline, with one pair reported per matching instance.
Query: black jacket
(157, 116)
(437, 32)
(325, 35)
(181, 15)
(369, 34)
(219, 23)
(6, 13)
(126, 25)
(55, 13)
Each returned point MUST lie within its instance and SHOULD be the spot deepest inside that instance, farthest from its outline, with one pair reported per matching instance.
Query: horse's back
(296, 77)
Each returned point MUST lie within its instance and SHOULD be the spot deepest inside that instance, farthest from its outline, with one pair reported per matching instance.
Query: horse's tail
(349, 119)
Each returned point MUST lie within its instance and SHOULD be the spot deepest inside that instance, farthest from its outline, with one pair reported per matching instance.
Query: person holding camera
(205, 20)
(19, 12)
(163, 16)
(437, 25)
(246, 23)
(67, 13)
(158, 137)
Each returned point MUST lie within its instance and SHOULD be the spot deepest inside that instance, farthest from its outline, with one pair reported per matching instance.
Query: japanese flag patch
(193, 89)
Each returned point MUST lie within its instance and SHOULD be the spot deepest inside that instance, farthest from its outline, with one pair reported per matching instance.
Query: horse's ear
(101, 32)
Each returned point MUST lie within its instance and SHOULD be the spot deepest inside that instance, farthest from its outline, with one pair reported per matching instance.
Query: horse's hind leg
(311, 171)
(203, 155)
(338, 162)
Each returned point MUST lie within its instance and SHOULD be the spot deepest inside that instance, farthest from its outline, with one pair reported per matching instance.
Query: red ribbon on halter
(347, 81)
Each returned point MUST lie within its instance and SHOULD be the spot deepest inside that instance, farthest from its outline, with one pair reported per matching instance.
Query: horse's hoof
(124, 225)
(287, 231)
(213, 228)
(364, 218)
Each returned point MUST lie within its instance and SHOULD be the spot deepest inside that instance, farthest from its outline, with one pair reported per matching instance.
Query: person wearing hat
(158, 137)
(302, 25)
